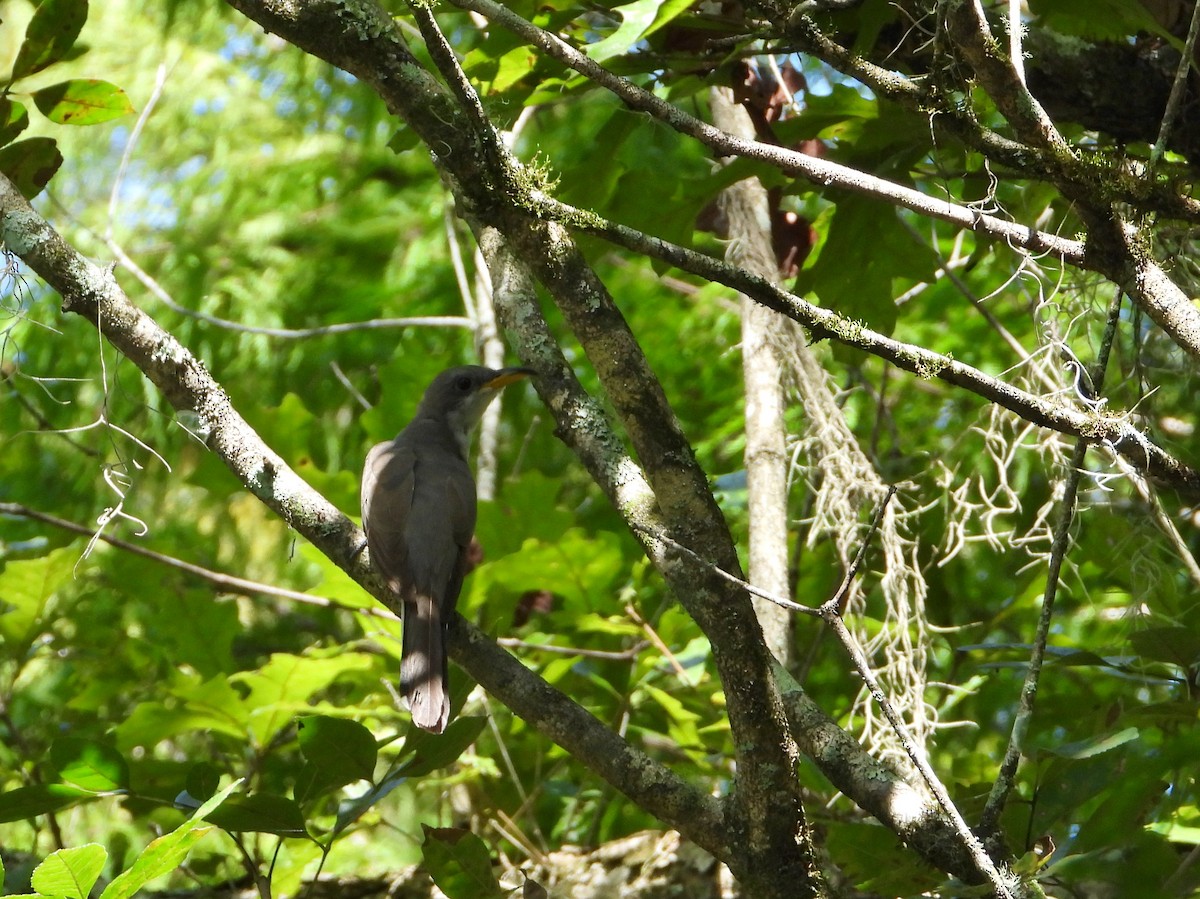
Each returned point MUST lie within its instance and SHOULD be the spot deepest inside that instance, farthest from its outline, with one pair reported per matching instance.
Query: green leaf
(283, 686)
(13, 120)
(27, 586)
(866, 248)
(29, 802)
(344, 751)
(459, 863)
(260, 813)
(202, 781)
(582, 568)
(433, 751)
(353, 809)
(165, 854)
(50, 35)
(682, 727)
(1107, 20)
(89, 765)
(638, 20)
(82, 101)
(1082, 749)
(403, 140)
(502, 527)
(878, 861)
(70, 872)
(30, 164)
(1175, 645)
(190, 704)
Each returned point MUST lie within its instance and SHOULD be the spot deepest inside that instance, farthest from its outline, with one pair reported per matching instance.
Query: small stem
(1006, 776)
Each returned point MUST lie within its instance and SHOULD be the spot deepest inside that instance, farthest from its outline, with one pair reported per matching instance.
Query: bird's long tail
(424, 674)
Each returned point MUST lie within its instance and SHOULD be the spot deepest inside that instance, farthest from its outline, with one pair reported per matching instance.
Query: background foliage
(262, 194)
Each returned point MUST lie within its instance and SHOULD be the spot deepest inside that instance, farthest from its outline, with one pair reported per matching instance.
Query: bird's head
(459, 395)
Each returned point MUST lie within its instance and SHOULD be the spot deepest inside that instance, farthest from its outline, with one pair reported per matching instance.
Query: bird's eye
(463, 384)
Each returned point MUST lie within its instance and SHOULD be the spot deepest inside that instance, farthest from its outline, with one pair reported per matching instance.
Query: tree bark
(748, 218)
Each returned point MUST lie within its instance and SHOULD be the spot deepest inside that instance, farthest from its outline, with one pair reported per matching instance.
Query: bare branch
(1141, 452)
(819, 171)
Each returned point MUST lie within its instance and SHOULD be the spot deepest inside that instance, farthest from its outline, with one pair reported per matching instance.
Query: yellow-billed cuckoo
(418, 511)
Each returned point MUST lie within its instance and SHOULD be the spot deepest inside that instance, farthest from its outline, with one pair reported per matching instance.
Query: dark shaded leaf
(29, 802)
(30, 164)
(260, 813)
(459, 863)
(1176, 645)
(433, 751)
(344, 751)
(51, 33)
(13, 120)
(203, 780)
(1082, 749)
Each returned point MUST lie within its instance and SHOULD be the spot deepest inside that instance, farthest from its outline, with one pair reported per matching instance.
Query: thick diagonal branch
(93, 293)
(365, 41)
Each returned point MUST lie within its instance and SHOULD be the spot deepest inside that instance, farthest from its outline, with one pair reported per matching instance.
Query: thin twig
(1006, 775)
(812, 168)
(839, 597)
(831, 613)
(226, 583)
(160, 81)
(658, 641)
(1178, 88)
(416, 321)
(354, 392)
(661, 537)
(623, 655)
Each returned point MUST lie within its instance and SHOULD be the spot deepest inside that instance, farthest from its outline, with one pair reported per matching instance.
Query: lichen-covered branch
(822, 172)
(92, 292)
(1115, 247)
(1112, 430)
(766, 814)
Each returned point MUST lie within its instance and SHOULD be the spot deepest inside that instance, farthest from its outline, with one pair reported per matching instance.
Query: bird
(418, 512)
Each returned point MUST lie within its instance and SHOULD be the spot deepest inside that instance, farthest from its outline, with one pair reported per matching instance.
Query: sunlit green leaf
(82, 101)
(166, 853)
(27, 586)
(70, 873)
(282, 687)
(639, 19)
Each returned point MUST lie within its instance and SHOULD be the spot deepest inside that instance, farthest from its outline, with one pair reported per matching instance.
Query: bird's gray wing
(460, 500)
(388, 487)
(433, 575)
